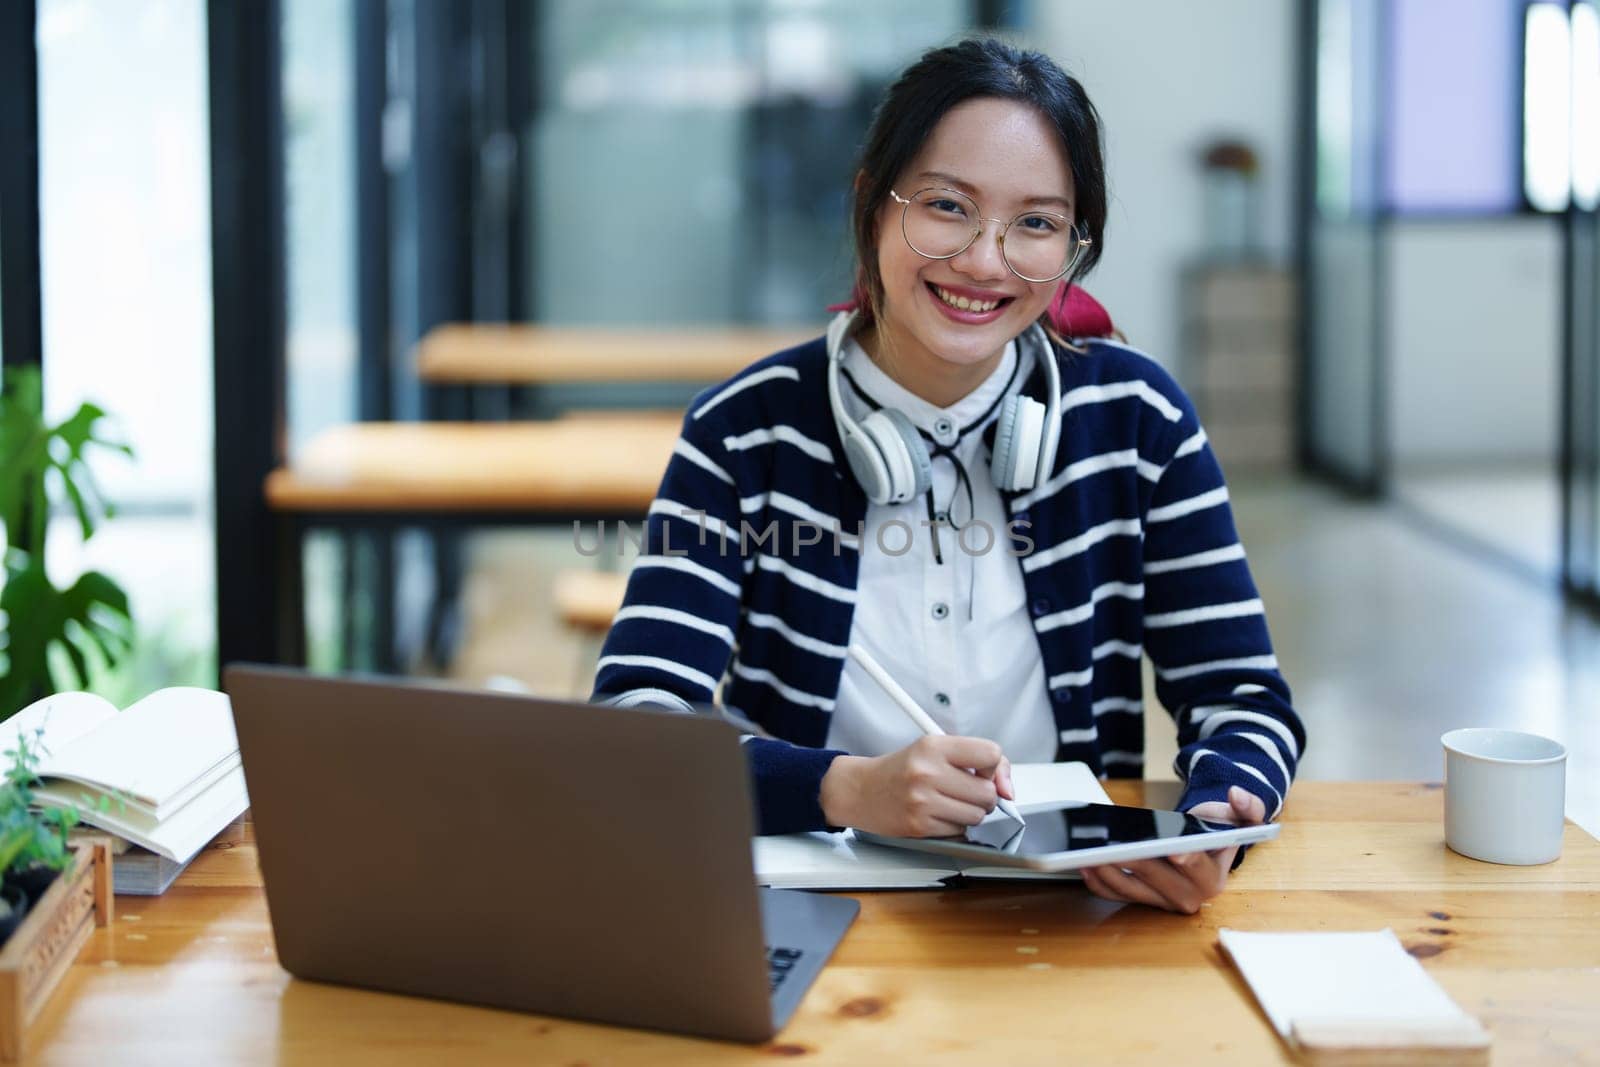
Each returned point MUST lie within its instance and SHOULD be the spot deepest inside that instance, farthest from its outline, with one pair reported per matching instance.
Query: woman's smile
(967, 305)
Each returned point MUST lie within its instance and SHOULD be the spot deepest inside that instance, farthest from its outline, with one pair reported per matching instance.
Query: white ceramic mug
(1505, 795)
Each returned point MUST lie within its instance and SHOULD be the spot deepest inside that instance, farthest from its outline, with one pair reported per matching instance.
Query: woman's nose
(983, 259)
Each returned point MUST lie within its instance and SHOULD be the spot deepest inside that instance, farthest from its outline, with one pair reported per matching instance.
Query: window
(125, 259)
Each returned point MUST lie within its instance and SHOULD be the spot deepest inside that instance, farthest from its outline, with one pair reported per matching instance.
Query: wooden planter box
(41, 950)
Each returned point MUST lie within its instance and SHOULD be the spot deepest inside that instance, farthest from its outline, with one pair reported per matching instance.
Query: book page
(1047, 785)
(65, 717)
(155, 749)
(177, 837)
(838, 861)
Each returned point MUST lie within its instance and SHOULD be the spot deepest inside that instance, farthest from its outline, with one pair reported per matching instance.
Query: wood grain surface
(596, 462)
(1014, 974)
(517, 354)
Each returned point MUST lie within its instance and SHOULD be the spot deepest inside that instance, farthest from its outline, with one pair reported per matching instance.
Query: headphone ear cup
(905, 458)
(867, 464)
(1017, 438)
(1005, 430)
(916, 452)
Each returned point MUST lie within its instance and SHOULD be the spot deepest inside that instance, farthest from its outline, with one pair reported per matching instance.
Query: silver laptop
(559, 858)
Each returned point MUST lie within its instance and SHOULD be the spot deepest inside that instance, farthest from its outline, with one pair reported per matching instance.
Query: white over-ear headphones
(887, 454)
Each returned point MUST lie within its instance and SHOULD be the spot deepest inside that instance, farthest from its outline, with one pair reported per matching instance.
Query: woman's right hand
(934, 787)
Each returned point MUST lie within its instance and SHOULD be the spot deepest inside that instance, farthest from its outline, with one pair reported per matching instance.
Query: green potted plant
(33, 844)
(48, 635)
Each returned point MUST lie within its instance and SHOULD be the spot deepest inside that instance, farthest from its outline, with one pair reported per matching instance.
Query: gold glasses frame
(1081, 246)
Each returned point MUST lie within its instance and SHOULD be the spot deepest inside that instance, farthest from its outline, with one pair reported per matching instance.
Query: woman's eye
(949, 206)
(1040, 223)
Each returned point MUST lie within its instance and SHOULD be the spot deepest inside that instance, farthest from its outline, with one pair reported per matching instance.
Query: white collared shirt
(956, 635)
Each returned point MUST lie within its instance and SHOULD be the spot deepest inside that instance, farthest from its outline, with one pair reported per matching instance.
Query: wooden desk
(1015, 974)
(520, 354)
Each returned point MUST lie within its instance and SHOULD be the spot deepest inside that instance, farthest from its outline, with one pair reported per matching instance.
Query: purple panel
(1452, 137)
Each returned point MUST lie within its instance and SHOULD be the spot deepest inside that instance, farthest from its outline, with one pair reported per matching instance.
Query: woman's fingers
(1183, 887)
(1002, 780)
(1248, 809)
(1097, 885)
(1181, 883)
(1118, 885)
(967, 788)
(942, 828)
(1242, 808)
(968, 753)
(956, 812)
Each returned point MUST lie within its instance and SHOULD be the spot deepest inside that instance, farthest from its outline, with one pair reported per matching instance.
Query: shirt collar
(924, 415)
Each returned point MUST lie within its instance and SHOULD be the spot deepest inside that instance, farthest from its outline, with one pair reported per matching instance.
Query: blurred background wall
(1213, 70)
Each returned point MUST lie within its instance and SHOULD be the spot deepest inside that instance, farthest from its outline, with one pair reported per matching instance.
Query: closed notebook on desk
(839, 861)
(163, 774)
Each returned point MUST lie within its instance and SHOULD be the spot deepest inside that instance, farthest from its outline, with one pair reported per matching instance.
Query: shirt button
(1040, 606)
(942, 699)
(940, 610)
(943, 518)
(943, 427)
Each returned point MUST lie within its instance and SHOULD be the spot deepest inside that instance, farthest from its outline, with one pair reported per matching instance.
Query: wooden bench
(595, 464)
(582, 468)
(587, 601)
(521, 354)
(470, 467)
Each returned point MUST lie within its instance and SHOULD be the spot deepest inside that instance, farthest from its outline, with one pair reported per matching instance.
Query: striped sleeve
(671, 642)
(1206, 635)
(672, 639)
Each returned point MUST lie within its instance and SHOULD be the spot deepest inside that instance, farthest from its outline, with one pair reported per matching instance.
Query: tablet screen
(1082, 826)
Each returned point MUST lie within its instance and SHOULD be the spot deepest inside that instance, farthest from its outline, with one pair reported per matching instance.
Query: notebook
(839, 861)
(167, 767)
(1340, 993)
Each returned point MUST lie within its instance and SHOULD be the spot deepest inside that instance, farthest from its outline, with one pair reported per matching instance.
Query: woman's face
(1008, 159)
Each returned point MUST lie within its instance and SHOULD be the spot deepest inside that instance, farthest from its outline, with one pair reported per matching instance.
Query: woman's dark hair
(927, 90)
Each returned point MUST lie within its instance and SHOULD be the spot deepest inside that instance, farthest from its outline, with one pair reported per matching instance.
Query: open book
(839, 861)
(168, 767)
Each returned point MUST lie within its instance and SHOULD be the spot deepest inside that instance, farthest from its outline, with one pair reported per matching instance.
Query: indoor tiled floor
(1388, 637)
(1510, 510)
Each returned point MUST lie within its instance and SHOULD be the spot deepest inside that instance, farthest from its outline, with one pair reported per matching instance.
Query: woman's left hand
(1184, 882)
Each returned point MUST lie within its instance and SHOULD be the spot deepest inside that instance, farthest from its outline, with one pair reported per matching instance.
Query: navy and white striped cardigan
(1135, 553)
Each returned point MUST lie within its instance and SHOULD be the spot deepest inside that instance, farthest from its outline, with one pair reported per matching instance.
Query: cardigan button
(1040, 606)
(1062, 696)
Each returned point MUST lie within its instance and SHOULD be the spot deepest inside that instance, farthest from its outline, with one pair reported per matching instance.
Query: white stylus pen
(915, 713)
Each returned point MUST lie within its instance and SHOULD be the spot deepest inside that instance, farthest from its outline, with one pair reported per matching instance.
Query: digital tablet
(1071, 836)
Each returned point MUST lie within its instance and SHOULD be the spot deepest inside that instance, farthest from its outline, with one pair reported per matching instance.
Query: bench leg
(444, 615)
(366, 615)
(289, 628)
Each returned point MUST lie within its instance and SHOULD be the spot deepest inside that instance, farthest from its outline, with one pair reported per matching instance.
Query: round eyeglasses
(1038, 246)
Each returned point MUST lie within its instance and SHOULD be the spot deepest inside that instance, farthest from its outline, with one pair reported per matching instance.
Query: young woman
(1006, 519)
